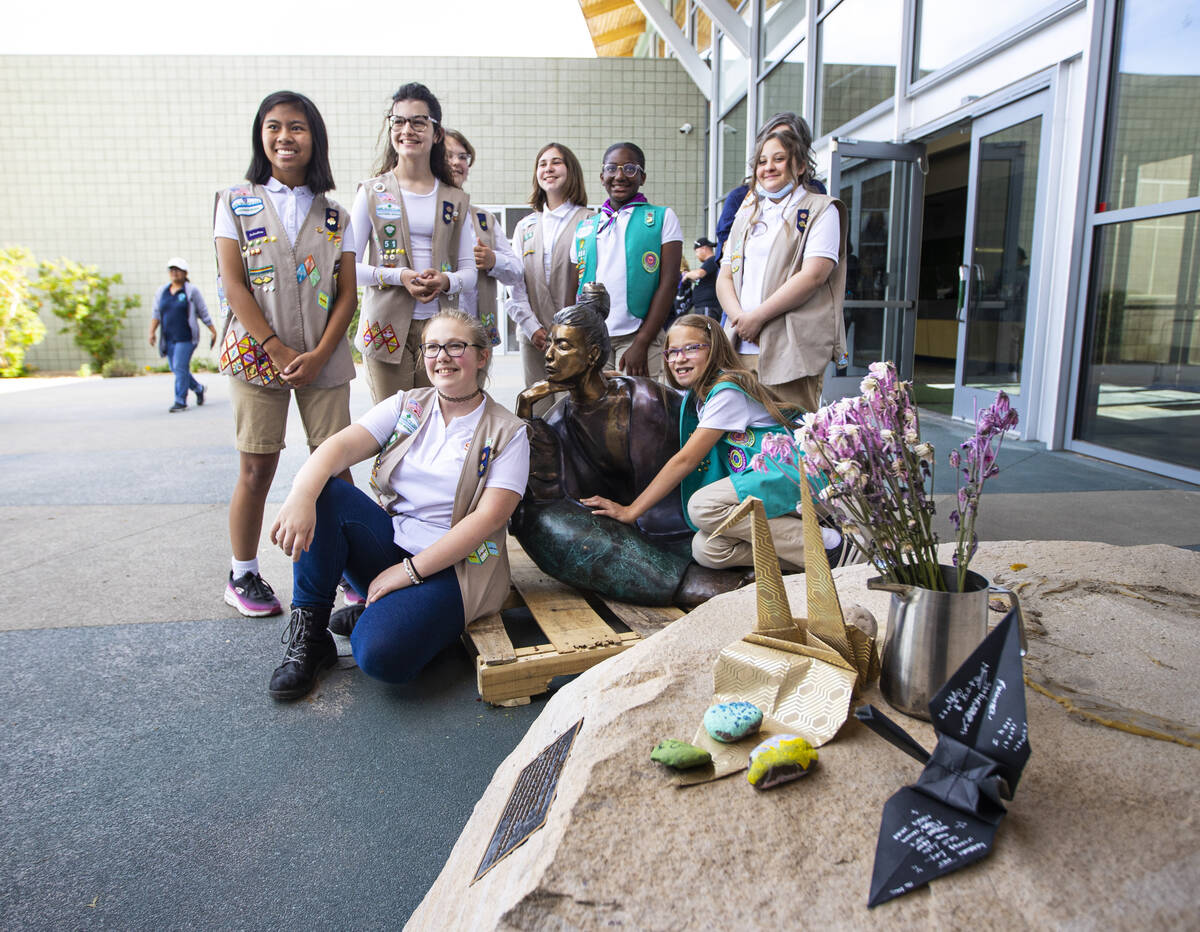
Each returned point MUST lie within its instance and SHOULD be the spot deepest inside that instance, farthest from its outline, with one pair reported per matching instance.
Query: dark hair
(462, 141)
(414, 90)
(799, 127)
(588, 315)
(318, 176)
(795, 152)
(576, 192)
(638, 154)
(723, 365)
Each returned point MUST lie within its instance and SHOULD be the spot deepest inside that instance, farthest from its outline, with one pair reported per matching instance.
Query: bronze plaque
(529, 802)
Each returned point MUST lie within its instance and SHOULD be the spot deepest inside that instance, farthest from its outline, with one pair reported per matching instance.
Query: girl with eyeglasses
(725, 415)
(450, 467)
(413, 240)
(783, 275)
(285, 285)
(543, 240)
(625, 247)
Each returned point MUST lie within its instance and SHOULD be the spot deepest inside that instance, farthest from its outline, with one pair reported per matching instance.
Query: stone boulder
(1104, 829)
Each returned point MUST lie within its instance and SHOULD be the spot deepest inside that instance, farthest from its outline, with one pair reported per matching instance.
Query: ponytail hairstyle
(576, 191)
(318, 176)
(437, 155)
(723, 365)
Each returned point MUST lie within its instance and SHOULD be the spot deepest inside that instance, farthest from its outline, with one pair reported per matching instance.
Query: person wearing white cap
(177, 306)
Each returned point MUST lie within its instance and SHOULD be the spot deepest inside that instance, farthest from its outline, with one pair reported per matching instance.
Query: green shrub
(204, 364)
(19, 324)
(81, 296)
(350, 331)
(119, 369)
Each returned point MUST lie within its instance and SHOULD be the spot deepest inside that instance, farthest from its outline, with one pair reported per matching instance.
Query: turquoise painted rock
(780, 759)
(732, 721)
(679, 754)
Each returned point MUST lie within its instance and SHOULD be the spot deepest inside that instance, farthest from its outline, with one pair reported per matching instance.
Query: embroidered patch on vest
(301, 272)
(737, 460)
(489, 548)
(742, 438)
(446, 267)
(256, 234)
(379, 186)
(801, 220)
(449, 212)
(388, 211)
(246, 206)
(263, 275)
(650, 261)
(314, 276)
(387, 197)
(323, 300)
(482, 220)
(485, 457)
(392, 343)
(309, 263)
(331, 219)
(389, 229)
(649, 218)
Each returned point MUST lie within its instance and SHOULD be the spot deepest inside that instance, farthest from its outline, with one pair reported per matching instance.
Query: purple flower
(780, 448)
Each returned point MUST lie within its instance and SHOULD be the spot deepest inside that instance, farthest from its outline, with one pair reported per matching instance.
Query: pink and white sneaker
(251, 596)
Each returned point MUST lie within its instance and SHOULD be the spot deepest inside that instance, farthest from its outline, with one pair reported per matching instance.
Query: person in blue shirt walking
(177, 306)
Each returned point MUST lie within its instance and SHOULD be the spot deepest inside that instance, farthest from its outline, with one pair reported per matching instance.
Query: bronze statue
(608, 436)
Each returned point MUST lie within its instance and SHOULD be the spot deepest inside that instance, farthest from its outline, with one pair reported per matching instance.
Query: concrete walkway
(149, 781)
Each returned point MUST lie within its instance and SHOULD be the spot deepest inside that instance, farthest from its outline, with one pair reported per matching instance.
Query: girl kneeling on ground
(450, 467)
(725, 415)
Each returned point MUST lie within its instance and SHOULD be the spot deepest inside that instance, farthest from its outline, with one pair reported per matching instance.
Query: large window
(734, 165)
(947, 30)
(1152, 143)
(783, 88)
(783, 26)
(858, 47)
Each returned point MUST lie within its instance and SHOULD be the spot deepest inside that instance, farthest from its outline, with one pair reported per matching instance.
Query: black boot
(310, 650)
(344, 619)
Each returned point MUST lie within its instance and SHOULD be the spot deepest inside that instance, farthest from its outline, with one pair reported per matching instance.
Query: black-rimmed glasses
(454, 349)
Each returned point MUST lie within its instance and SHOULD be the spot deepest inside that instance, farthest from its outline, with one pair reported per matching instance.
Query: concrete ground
(149, 780)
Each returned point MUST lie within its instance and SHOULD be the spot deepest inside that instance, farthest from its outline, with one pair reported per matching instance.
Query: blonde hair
(479, 335)
(723, 365)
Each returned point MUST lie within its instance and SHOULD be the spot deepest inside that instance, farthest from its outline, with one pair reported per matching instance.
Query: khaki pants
(804, 392)
(654, 357)
(712, 504)
(260, 414)
(386, 378)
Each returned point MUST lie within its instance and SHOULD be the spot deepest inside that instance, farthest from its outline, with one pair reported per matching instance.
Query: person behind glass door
(626, 247)
(281, 244)
(543, 240)
(704, 276)
(412, 239)
(783, 278)
(176, 306)
(494, 258)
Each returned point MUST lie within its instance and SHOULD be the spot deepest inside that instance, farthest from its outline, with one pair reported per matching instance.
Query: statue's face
(568, 356)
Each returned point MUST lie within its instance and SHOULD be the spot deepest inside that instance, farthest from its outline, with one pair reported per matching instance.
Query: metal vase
(930, 634)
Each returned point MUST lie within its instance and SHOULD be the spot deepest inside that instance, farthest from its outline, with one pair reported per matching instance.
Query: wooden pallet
(577, 636)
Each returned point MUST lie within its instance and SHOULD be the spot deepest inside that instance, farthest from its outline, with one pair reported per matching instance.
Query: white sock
(242, 567)
(830, 537)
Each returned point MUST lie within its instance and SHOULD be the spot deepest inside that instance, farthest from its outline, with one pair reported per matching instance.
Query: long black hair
(319, 176)
(388, 158)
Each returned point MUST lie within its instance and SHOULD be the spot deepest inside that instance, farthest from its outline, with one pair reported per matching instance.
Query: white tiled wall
(114, 160)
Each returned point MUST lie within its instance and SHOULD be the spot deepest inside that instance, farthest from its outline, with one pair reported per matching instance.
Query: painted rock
(679, 754)
(732, 721)
(780, 759)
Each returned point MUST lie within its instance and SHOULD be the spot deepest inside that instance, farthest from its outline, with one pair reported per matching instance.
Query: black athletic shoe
(176, 407)
(342, 621)
(200, 396)
(310, 651)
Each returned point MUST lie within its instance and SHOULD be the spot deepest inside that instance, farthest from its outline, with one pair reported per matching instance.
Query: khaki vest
(483, 576)
(485, 225)
(294, 285)
(548, 299)
(803, 340)
(387, 310)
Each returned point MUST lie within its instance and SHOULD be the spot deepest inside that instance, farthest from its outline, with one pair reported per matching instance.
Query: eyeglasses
(629, 169)
(690, 351)
(418, 123)
(464, 157)
(454, 349)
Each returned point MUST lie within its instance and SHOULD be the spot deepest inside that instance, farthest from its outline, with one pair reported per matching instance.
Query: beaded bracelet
(413, 575)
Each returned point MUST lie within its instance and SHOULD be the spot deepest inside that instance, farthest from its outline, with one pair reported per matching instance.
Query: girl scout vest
(294, 285)
(485, 286)
(387, 310)
(483, 576)
(731, 457)
(547, 299)
(643, 254)
(802, 341)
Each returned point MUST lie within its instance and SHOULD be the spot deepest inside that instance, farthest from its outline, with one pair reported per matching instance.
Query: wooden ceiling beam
(600, 7)
(621, 32)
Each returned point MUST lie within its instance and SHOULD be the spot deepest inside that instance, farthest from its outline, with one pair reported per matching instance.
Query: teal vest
(731, 457)
(643, 254)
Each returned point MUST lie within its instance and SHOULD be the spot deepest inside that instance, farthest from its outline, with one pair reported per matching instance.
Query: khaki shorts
(654, 352)
(260, 414)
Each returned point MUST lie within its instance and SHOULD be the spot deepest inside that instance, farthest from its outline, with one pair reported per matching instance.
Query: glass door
(882, 185)
(1009, 148)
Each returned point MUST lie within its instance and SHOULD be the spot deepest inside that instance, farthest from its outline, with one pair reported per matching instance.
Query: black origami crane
(948, 818)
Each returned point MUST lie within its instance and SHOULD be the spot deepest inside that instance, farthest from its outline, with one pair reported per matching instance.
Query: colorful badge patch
(485, 457)
(323, 300)
(650, 262)
(527, 242)
(301, 272)
(801, 219)
(331, 219)
(649, 218)
(388, 211)
(389, 229)
(379, 186)
(737, 459)
(483, 220)
(246, 206)
(449, 213)
(489, 548)
(387, 197)
(256, 234)
(314, 276)
(742, 438)
(263, 275)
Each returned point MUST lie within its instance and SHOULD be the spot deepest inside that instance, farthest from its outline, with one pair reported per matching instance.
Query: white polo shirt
(291, 205)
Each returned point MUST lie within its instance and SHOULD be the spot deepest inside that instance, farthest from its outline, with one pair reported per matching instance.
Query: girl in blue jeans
(176, 307)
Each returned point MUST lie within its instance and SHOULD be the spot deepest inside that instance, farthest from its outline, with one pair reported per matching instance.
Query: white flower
(911, 436)
(923, 451)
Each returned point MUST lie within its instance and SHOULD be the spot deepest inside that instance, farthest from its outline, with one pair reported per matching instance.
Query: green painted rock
(732, 721)
(679, 754)
(780, 759)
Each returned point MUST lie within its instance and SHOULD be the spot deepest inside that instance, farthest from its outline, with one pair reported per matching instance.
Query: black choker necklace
(445, 397)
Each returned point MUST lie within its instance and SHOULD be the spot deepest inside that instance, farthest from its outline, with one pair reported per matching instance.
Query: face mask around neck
(775, 195)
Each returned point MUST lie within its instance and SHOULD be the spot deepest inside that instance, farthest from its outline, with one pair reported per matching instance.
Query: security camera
(686, 128)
